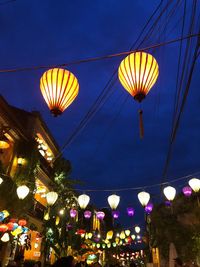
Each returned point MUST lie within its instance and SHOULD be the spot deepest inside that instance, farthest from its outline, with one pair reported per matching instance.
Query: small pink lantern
(100, 215)
(149, 208)
(73, 213)
(115, 214)
(130, 211)
(87, 214)
(187, 191)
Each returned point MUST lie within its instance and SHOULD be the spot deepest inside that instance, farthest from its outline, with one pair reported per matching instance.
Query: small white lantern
(1, 180)
(22, 191)
(194, 183)
(51, 198)
(144, 198)
(169, 192)
(83, 201)
(5, 237)
(113, 201)
(137, 229)
(127, 232)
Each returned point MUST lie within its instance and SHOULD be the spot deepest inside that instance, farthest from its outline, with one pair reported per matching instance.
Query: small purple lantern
(100, 215)
(168, 203)
(130, 211)
(149, 208)
(187, 191)
(73, 213)
(115, 214)
(87, 214)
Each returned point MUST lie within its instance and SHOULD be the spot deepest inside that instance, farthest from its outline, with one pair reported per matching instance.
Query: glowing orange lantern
(22, 222)
(10, 226)
(138, 73)
(3, 228)
(59, 88)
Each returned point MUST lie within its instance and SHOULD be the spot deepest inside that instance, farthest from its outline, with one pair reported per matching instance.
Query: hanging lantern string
(76, 62)
(140, 187)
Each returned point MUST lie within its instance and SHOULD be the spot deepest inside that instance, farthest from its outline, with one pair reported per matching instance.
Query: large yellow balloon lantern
(59, 88)
(138, 73)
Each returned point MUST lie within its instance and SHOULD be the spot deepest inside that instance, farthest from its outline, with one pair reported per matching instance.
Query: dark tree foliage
(179, 224)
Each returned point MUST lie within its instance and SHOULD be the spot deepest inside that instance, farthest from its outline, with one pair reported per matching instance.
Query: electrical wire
(142, 187)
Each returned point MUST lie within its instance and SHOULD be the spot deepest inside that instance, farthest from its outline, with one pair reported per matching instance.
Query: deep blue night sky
(108, 153)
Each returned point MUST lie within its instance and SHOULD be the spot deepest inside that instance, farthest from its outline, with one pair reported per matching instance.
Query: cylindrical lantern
(87, 214)
(194, 183)
(137, 229)
(149, 208)
(73, 213)
(169, 192)
(5, 237)
(22, 191)
(137, 73)
(83, 201)
(100, 215)
(187, 191)
(144, 198)
(130, 211)
(59, 88)
(115, 214)
(113, 201)
(51, 198)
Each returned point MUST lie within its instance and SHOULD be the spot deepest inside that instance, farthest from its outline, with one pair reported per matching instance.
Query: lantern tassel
(141, 123)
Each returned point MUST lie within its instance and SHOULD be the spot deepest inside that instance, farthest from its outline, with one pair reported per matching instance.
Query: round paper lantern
(144, 198)
(22, 222)
(22, 191)
(169, 192)
(130, 211)
(133, 237)
(187, 191)
(137, 229)
(194, 183)
(83, 201)
(59, 88)
(149, 208)
(115, 214)
(138, 73)
(3, 228)
(100, 215)
(15, 226)
(51, 198)
(87, 214)
(73, 213)
(113, 201)
(127, 232)
(122, 235)
(5, 237)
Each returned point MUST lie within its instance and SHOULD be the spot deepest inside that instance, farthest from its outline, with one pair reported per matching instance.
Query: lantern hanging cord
(140, 187)
(87, 60)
